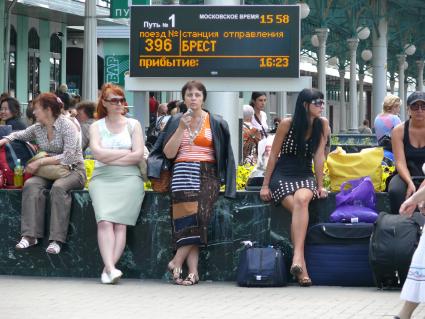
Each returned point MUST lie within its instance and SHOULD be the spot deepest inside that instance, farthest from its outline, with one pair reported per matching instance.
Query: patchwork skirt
(195, 188)
(414, 286)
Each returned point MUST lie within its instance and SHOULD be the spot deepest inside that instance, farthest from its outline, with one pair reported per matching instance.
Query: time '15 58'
(274, 18)
(274, 62)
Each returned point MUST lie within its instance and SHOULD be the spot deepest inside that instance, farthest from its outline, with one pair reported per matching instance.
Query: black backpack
(392, 244)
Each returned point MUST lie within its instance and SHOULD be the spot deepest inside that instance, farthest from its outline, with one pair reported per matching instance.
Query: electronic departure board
(214, 41)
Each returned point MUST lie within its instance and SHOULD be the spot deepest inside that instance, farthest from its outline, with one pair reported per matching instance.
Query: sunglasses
(318, 102)
(416, 107)
(115, 100)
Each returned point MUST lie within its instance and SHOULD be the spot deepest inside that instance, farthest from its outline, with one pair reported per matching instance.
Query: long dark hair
(300, 123)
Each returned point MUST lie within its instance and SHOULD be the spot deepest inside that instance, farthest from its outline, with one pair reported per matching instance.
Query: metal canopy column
(90, 84)
(342, 106)
(401, 60)
(353, 43)
(322, 35)
(362, 108)
(379, 59)
(420, 79)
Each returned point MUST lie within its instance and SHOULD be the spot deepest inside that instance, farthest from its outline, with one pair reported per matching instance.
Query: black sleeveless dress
(292, 172)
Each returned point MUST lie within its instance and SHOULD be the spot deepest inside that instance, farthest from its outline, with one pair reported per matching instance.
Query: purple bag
(355, 204)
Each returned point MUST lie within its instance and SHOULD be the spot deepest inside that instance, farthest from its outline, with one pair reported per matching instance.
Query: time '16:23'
(274, 62)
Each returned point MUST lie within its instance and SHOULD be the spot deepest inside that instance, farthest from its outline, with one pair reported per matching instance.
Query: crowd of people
(197, 144)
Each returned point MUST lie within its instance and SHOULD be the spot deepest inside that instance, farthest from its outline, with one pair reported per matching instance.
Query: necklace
(194, 134)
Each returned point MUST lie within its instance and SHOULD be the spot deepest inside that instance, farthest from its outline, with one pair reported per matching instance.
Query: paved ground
(65, 298)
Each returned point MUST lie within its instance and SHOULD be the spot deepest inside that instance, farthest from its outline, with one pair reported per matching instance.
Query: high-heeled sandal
(305, 282)
(296, 271)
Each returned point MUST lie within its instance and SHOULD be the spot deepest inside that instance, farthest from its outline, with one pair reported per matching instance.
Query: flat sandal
(176, 273)
(191, 280)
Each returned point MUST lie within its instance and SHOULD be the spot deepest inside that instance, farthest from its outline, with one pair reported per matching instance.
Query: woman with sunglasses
(116, 187)
(289, 178)
(408, 144)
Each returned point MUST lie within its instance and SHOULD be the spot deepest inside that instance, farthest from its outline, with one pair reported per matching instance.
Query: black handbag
(261, 267)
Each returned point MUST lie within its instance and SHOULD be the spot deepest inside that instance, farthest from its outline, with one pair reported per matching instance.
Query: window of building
(55, 61)
(33, 64)
(12, 62)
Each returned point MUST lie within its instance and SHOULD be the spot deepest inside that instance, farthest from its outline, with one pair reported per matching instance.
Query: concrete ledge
(149, 242)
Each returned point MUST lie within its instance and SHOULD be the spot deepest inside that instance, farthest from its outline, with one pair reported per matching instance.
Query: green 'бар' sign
(115, 68)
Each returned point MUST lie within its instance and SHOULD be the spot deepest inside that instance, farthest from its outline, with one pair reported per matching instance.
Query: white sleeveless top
(116, 141)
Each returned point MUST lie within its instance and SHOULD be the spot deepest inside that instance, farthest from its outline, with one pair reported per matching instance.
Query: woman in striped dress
(199, 144)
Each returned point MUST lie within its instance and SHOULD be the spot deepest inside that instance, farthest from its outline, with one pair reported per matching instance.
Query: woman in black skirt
(289, 178)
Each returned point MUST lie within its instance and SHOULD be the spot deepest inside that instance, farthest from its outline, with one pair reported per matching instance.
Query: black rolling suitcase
(336, 254)
(393, 242)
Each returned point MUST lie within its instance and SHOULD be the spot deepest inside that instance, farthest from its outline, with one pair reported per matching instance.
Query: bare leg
(407, 310)
(192, 264)
(180, 256)
(288, 203)
(106, 241)
(120, 232)
(192, 260)
(175, 265)
(299, 203)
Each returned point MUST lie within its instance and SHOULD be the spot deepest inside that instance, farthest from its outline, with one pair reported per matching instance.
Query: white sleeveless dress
(414, 286)
(116, 191)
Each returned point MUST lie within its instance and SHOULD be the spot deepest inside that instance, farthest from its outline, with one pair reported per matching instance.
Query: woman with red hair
(58, 137)
(116, 187)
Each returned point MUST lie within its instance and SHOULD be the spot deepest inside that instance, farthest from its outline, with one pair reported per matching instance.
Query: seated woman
(57, 136)
(10, 113)
(116, 187)
(388, 119)
(414, 287)
(289, 178)
(408, 144)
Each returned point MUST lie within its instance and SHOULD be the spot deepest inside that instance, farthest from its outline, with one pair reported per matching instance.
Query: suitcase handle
(333, 235)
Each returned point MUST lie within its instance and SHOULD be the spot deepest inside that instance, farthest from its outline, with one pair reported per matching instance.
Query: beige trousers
(34, 195)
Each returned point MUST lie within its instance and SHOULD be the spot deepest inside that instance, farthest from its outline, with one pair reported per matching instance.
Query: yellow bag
(89, 165)
(347, 166)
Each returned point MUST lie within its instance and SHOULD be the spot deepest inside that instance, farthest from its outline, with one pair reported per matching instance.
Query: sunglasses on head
(318, 102)
(116, 100)
(417, 106)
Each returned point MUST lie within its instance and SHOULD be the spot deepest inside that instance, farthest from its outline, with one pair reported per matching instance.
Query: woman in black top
(10, 112)
(408, 144)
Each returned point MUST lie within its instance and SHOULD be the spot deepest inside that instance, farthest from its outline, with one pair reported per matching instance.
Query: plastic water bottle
(18, 174)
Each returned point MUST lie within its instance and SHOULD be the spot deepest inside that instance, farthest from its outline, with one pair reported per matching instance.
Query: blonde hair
(390, 102)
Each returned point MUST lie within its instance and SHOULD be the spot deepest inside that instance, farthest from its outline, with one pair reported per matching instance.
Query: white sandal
(24, 243)
(53, 248)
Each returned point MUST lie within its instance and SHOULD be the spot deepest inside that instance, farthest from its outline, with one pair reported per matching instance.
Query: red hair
(49, 100)
(105, 90)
